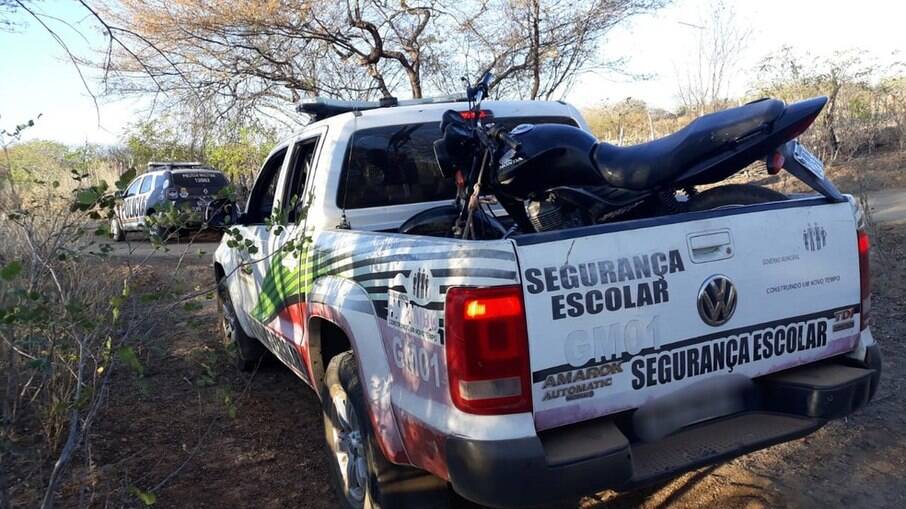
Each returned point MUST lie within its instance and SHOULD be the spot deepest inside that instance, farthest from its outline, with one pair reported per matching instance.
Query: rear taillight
(799, 127)
(775, 163)
(487, 350)
(864, 276)
(470, 115)
(172, 193)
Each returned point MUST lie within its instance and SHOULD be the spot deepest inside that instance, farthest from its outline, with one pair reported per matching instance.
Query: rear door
(626, 313)
(140, 202)
(127, 211)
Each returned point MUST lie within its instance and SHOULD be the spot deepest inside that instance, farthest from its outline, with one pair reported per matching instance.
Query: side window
(302, 166)
(160, 181)
(261, 201)
(132, 190)
(393, 165)
(146, 184)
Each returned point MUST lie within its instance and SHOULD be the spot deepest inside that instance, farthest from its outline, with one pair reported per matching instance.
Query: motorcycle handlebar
(500, 134)
(506, 138)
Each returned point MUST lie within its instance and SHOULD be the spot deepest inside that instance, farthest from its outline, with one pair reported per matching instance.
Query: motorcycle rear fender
(794, 120)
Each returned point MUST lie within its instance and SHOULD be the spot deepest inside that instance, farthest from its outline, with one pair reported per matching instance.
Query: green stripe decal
(282, 282)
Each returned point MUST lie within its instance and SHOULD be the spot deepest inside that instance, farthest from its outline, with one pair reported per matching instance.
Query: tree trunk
(833, 143)
(536, 49)
(415, 82)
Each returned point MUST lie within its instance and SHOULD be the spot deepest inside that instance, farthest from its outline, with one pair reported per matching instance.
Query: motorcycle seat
(647, 165)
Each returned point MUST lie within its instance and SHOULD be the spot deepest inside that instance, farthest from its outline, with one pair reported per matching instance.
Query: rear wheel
(440, 222)
(433, 222)
(361, 476)
(116, 230)
(733, 194)
(156, 231)
(249, 351)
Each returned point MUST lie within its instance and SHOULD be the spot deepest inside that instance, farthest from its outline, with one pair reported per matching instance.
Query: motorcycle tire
(433, 222)
(439, 222)
(733, 195)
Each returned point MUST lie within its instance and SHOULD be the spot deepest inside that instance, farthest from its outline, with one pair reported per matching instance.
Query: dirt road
(199, 246)
(198, 434)
(888, 206)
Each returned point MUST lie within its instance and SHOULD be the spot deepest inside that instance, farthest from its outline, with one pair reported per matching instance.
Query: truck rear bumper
(579, 459)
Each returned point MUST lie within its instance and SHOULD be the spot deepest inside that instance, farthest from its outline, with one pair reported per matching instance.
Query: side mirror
(222, 213)
(119, 195)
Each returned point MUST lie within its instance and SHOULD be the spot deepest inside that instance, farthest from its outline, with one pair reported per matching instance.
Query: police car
(189, 186)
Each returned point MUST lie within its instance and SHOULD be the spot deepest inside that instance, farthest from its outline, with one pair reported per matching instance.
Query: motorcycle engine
(549, 215)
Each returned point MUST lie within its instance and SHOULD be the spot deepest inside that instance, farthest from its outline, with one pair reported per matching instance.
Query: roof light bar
(320, 108)
(173, 163)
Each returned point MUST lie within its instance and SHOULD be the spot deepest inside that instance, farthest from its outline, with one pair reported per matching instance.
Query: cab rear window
(395, 165)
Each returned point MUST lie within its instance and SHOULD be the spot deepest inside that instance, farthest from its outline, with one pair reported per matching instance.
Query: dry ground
(198, 434)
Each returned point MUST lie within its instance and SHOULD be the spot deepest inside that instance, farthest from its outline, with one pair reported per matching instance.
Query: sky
(37, 78)
(660, 43)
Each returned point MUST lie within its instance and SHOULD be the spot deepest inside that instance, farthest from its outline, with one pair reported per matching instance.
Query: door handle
(710, 246)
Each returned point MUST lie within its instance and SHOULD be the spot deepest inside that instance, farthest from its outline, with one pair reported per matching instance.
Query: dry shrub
(67, 319)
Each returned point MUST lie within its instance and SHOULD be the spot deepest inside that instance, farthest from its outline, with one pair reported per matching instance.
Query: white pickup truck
(546, 366)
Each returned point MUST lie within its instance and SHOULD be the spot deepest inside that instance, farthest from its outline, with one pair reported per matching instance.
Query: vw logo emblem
(717, 300)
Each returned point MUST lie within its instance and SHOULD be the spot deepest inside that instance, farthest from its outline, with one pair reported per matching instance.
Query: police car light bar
(320, 108)
(174, 164)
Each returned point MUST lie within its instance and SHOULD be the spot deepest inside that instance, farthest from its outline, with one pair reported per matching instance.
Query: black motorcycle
(553, 176)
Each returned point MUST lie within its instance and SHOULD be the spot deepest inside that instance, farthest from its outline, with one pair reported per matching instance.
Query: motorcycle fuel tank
(549, 155)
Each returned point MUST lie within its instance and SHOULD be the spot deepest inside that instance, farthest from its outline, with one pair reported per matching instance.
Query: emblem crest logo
(717, 300)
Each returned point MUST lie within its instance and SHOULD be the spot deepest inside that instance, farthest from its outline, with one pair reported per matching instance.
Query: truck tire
(733, 194)
(249, 352)
(361, 476)
(156, 231)
(159, 233)
(116, 231)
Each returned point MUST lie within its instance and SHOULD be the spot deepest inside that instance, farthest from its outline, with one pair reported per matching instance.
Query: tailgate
(622, 314)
